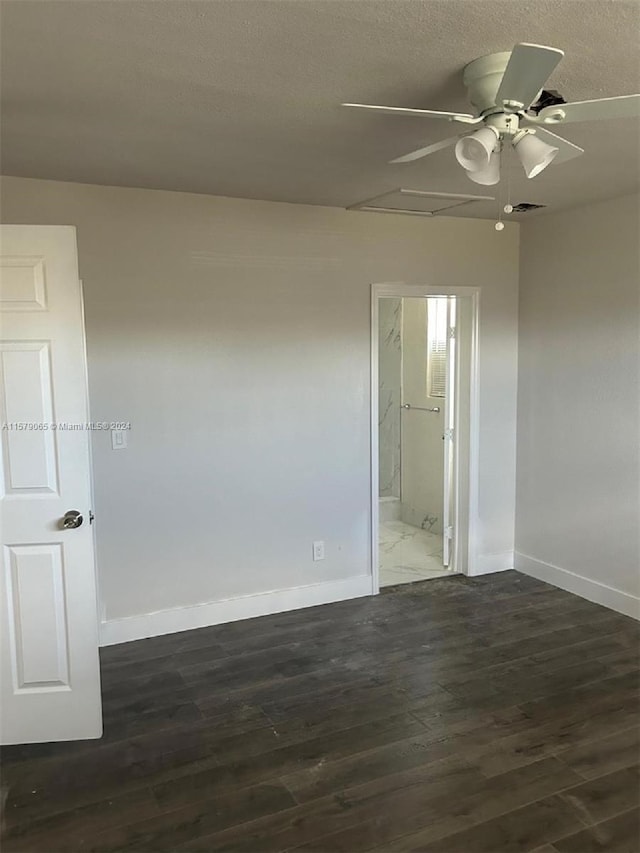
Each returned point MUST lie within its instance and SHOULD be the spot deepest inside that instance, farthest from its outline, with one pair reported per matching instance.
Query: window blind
(436, 346)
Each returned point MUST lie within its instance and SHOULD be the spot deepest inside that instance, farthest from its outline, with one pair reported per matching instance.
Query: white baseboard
(123, 630)
(592, 590)
(489, 563)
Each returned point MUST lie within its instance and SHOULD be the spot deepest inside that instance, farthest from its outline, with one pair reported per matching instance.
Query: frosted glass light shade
(490, 174)
(534, 154)
(473, 152)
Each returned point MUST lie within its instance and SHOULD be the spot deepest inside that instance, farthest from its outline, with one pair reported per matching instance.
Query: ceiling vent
(418, 202)
(524, 206)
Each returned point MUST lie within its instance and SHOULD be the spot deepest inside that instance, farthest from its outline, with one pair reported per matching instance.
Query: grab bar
(420, 408)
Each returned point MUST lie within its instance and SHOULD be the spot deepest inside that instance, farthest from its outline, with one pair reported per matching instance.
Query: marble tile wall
(422, 469)
(389, 384)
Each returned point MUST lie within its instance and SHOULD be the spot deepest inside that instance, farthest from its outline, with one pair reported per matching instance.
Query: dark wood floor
(496, 714)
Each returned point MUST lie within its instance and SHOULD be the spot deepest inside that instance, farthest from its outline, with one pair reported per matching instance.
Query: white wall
(235, 336)
(578, 505)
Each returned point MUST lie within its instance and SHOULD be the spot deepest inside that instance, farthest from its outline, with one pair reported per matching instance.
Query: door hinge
(452, 331)
(449, 433)
(448, 532)
(91, 516)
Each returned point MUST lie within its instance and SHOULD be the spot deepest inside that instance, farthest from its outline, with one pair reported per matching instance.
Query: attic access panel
(417, 202)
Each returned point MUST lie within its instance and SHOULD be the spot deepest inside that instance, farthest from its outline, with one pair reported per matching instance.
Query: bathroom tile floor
(409, 554)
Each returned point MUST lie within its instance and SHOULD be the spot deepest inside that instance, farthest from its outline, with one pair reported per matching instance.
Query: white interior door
(449, 436)
(49, 675)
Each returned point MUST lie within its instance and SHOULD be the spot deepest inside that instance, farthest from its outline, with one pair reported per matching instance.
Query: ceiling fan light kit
(503, 87)
(534, 154)
(489, 175)
(474, 152)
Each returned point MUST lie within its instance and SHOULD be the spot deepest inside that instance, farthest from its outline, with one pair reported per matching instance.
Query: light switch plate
(118, 439)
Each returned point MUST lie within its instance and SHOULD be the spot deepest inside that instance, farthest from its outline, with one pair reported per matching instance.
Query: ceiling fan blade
(566, 150)
(424, 152)
(408, 111)
(526, 73)
(625, 106)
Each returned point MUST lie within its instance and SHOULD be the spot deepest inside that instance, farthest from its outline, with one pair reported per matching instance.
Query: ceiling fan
(503, 87)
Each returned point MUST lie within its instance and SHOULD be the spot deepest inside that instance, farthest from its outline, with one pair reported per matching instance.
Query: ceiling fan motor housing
(482, 77)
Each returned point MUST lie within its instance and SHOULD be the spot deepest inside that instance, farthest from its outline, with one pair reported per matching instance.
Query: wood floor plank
(322, 821)
(602, 798)
(492, 710)
(114, 670)
(49, 786)
(612, 691)
(518, 831)
(381, 624)
(170, 829)
(519, 685)
(512, 659)
(435, 818)
(334, 775)
(166, 644)
(64, 831)
(552, 739)
(244, 764)
(495, 743)
(136, 720)
(389, 794)
(153, 688)
(315, 713)
(595, 757)
(620, 834)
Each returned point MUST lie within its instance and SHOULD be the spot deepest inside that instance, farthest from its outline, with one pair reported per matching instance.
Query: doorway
(423, 418)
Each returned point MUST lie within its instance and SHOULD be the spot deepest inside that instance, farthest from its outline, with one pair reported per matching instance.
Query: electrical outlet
(318, 550)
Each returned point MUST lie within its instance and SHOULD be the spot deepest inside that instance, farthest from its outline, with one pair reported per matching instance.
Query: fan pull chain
(499, 226)
(508, 207)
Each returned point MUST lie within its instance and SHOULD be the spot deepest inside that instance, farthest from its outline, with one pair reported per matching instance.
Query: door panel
(27, 398)
(22, 283)
(37, 617)
(50, 686)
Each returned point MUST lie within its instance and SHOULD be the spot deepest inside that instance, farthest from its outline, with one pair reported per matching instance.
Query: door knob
(71, 519)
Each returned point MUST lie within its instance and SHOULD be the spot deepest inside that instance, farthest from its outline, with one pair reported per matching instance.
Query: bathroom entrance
(423, 387)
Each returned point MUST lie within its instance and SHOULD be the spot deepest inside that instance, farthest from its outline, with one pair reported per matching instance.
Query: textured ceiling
(241, 97)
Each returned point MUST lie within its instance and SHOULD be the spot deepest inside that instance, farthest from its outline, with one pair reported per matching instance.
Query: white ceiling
(241, 97)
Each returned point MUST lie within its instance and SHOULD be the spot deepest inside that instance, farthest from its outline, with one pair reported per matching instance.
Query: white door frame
(466, 457)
